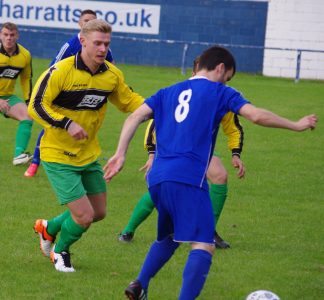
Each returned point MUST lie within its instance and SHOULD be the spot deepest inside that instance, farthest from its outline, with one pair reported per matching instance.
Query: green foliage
(273, 217)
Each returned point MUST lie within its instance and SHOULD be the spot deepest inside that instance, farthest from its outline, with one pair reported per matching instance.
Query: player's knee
(85, 218)
(99, 215)
(219, 177)
(210, 248)
(19, 112)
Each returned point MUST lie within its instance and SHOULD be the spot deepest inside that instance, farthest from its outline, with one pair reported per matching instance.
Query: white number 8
(182, 109)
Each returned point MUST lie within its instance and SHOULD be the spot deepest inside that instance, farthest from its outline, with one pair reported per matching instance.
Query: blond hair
(96, 25)
(10, 26)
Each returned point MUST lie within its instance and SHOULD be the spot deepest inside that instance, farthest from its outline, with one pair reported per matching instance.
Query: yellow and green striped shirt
(68, 92)
(18, 64)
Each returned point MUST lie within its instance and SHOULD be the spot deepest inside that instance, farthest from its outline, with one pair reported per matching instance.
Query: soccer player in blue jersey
(70, 48)
(187, 117)
(216, 174)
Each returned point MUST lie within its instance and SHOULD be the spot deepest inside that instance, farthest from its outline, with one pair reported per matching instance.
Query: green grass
(273, 218)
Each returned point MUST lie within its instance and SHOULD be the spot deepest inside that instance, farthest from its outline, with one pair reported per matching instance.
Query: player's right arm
(46, 89)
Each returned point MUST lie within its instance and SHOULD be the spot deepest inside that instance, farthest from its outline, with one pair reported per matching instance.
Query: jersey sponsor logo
(9, 73)
(70, 154)
(84, 99)
(91, 101)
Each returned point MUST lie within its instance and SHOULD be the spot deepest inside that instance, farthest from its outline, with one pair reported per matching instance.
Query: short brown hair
(195, 64)
(9, 26)
(214, 56)
(88, 12)
(95, 25)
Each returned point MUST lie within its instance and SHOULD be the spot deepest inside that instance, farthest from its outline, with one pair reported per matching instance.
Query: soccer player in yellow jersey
(217, 175)
(70, 100)
(15, 61)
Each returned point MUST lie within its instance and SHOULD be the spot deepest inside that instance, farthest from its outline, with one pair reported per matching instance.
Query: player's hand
(238, 164)
(113, 167)
(307, 122)
(4, 106)
(77, 132)
(148, 164)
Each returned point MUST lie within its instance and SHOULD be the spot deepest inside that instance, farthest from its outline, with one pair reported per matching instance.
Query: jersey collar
(80, 65)
(198, 77)
(4, 52)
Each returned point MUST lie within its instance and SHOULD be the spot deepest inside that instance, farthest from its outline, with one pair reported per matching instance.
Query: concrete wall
(297, 24)
(208, 21)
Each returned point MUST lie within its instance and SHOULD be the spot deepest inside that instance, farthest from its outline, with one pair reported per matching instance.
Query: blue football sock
(195, 274)
(36, 156)
(158, 255)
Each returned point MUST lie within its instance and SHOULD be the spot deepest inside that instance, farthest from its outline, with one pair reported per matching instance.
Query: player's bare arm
(267, 118)
(115, 164)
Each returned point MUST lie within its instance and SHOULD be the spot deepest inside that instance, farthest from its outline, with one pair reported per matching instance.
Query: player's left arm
(150, 137)
(235, 135)
(267, 118)
(26, 79)
(234, 131)
(123, 97)
(149, 145)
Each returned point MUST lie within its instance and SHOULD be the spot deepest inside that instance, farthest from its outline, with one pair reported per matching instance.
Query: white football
(262, 295)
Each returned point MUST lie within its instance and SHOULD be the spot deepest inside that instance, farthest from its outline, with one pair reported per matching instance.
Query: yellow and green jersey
(231, 127)
(18, 64)
(67, 92)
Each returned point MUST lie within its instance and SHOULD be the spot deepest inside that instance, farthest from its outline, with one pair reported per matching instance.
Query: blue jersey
(72, 47)
(187, 117)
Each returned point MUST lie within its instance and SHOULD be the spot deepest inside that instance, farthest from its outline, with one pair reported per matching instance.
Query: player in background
(15, 61)
(70, 48)
(70, 101)
(216, 174)
(177, 180)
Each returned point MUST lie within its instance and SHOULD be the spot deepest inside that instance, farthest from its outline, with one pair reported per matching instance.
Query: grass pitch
(273, 218)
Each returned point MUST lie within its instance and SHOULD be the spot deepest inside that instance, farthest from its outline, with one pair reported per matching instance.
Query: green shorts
(13, 100)
(71, 182)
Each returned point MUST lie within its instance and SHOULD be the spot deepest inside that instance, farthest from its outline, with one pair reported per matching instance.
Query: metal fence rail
(187, 44)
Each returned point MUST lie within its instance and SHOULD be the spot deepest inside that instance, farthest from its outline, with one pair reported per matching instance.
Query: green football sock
(23, 136)
(142, 210)
(70, 233)
(54, 225)
(218, 194)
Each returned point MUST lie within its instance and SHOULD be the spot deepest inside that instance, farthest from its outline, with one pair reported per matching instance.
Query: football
(262, 295)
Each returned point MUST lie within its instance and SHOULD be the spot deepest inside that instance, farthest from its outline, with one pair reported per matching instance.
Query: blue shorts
(185, 211)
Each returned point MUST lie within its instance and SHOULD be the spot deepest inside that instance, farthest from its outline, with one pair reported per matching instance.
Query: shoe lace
(66, 259)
